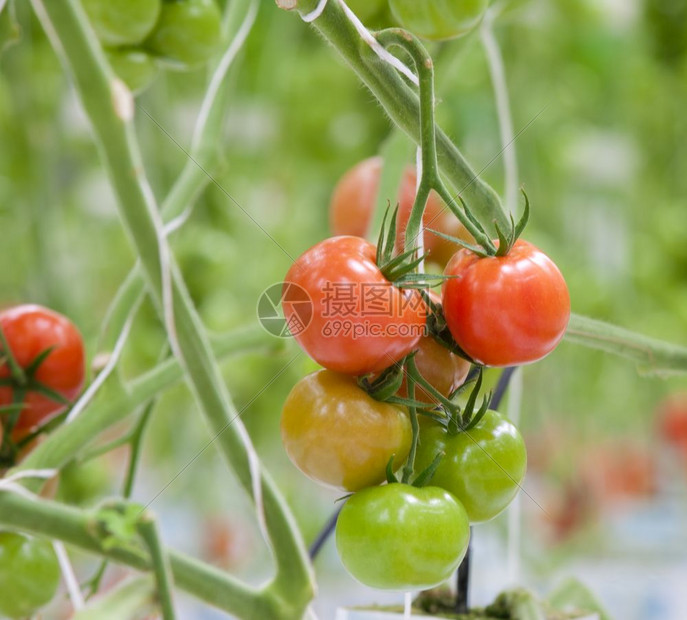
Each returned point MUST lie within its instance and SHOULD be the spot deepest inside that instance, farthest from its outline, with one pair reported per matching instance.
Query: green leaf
(573, 593)
(118, 522)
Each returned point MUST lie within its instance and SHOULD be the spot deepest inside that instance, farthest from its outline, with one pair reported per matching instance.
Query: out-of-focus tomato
(338, 435)
(354, 198)
(30, 330)
(29, 574)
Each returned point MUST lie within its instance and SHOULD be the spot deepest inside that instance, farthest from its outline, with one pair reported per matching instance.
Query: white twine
(366, 36)
(11, 483)
(68, 575)
(500, 85)
(221, 71)
(313, 15)
(92, 390)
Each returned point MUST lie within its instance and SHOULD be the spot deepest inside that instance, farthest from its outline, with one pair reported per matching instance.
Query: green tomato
(482, 467)
(188, 32)
(399, 537)
(122, 22)
(438, 19)
(29, 574)
(136, 68)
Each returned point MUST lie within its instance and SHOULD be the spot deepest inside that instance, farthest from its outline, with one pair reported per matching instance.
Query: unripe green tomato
(122, 22)
(136, 68)
(483, 467)
(438, 19)
(399, 537)
(188, 32)
(29, 574)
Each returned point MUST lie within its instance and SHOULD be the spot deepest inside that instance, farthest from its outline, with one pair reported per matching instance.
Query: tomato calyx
(437, 327)
(421, 480)
(489, 248)
(21, 381)
(400, 269)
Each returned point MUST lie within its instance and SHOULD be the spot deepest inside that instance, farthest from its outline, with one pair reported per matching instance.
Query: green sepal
(472, 400)
(390, 476)
(426, 475)
(476, 249)
(38, 360)
(477, 418)
(386, 385)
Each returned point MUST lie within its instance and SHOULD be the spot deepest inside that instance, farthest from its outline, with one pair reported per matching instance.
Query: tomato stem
(16, 371)
(148, 529)
(415, 428)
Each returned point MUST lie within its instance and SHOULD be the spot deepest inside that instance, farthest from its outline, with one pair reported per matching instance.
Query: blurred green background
(598, 93)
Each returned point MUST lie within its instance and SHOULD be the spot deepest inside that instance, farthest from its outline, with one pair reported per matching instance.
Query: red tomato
(672, 419)
(30, 330)
(506, 310)
(353, 202)
(361, 323)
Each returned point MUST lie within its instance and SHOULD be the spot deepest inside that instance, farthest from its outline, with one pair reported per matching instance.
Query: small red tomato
(506, 310)
(361, 323)
(30, 330)
(354, 198)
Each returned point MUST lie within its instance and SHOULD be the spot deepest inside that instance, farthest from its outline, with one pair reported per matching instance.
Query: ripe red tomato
(506, 310)
(30, 330)
(340, 436)
(672, 419)
(361, 323)
(353, 202)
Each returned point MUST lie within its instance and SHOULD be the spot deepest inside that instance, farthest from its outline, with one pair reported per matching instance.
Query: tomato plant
(361, 323)
(438, 19)
(134, 66)
(506, 310)
(337, 434)
(483, 467)
(399, 537)
(671, 415)
(187, 33)
(31, 331)
(122, 22)
(29, 574)
(354, 198)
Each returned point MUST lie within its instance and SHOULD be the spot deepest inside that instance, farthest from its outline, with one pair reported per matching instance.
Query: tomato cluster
(392, 350)
(42, 369)
(140, 36)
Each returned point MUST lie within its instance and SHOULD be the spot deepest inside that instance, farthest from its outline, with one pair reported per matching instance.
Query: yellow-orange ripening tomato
(338, 435)
(354, 198)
